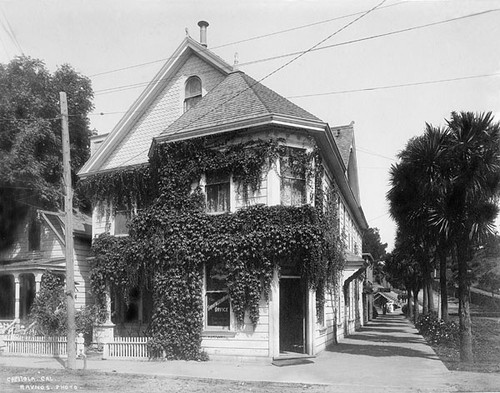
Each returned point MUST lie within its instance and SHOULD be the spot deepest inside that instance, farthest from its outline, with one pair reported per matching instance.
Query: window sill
(218, 334)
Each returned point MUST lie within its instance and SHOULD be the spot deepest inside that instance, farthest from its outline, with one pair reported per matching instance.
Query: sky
(390, 70)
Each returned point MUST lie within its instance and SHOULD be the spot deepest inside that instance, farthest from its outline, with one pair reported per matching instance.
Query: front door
(292, 315)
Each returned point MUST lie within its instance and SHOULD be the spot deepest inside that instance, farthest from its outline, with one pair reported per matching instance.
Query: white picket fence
(15, 344)
(27, 345)
(126, 348)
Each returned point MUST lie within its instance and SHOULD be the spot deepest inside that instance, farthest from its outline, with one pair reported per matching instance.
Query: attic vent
(337, 133)
(203, 32)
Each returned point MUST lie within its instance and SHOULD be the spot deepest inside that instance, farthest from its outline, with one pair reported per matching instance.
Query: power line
(271, 73)
(363, 150)
(376, 36)
(375, 88)
(142, 84)
(397, 86)
(246, 40)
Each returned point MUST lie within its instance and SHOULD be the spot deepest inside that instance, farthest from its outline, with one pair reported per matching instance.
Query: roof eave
(141, 104)
(257, 121)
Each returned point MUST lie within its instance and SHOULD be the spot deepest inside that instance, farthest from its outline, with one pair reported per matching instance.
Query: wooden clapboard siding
(243, 352)
(247, 341)
(50, 246)
(82, 271)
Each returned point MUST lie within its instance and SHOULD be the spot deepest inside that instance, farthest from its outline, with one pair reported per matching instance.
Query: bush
(404, 309)
(49, 310)
(436, 330)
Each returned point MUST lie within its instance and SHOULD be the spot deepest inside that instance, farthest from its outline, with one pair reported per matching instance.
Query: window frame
(287, 175)
(192, 98)
(206, 326)
(208, 184)
(128, 215)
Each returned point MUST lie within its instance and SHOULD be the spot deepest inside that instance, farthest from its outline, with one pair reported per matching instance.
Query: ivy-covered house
(38, 247)
(227, 220)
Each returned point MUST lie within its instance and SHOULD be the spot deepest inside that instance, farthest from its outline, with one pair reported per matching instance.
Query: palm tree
(469, 205)
(417, 182)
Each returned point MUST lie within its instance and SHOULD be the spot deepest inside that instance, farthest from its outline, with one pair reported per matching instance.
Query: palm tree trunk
(430, 296)
(425, 291)
(443, 284)
(466, 354)
(415, 305)
(410, 311)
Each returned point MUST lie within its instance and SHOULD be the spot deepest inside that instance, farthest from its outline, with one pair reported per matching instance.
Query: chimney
(203, 32)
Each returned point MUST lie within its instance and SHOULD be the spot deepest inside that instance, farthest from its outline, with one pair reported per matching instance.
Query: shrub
(436, 330)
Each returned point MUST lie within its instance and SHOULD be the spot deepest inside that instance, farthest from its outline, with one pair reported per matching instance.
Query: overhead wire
(246, 40)
(270, 74)
(396, 86)
(376, 36)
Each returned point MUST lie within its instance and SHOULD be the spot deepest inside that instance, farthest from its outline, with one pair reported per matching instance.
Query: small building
(196, 94)
(39, 247)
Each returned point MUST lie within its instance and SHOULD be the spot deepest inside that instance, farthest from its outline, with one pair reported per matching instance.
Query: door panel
(292, 315)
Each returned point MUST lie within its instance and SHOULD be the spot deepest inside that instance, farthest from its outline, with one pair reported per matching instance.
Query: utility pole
(68, 208)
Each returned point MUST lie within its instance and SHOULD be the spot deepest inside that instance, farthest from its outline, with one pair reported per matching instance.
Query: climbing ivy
(172, 239)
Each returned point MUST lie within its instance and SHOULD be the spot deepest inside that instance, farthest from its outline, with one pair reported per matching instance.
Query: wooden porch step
(292, 359)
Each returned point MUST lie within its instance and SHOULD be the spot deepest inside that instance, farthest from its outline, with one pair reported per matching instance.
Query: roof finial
(236, 61)
(187, 32)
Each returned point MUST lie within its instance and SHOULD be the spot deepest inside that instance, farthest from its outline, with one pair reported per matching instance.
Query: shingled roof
(238, 97)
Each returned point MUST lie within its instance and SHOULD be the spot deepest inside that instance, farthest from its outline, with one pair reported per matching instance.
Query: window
(34, 234)
(217, 189)
(217, 314)
(192, 93)
(293, 179)
(122, 218)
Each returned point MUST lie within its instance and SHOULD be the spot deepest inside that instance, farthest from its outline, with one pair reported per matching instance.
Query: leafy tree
(373, 244)
(30, 137)
(445, 192)
(416, 181)
(471, 203)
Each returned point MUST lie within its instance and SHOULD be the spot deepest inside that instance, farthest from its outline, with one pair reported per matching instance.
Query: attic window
(193, 92)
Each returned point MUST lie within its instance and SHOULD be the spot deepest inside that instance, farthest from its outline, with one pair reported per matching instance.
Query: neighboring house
(197, 94)
(39, 247)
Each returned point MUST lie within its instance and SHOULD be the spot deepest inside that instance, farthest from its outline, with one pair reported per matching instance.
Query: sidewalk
(387, 355)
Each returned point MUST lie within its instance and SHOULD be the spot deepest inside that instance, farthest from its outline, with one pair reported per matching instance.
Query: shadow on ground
(380, 351)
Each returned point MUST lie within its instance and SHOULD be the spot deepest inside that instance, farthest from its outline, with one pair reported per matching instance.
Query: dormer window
(193, 92)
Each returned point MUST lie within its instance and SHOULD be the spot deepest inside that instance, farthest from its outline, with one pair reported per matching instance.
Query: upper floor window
(34, 234)
(218, 192)
(293, 179)
(122, 218)
(192, 93)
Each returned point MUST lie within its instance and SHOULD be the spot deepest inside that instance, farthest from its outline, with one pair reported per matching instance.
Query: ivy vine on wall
(172, 239)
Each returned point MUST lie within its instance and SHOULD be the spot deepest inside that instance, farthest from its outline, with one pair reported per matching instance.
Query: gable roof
(140, 107)
(237, 101)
